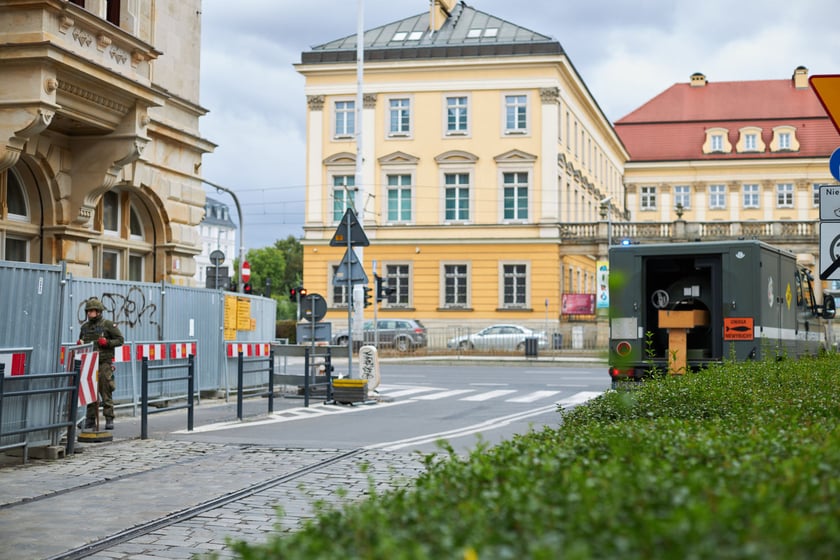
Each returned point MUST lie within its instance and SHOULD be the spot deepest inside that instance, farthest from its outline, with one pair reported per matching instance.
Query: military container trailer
(678, 306)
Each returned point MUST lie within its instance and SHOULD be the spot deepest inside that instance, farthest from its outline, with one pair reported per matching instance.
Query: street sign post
(829, 232)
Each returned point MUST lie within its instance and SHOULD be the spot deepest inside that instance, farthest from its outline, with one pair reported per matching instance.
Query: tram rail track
(192, 511)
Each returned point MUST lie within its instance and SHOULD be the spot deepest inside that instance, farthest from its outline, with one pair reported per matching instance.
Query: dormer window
(750, 140)
(717, 141)
(784, 139)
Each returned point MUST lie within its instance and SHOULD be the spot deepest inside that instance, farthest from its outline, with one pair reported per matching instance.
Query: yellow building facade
(478, 140)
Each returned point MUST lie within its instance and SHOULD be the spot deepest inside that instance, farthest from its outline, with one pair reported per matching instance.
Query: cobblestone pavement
(48, 508)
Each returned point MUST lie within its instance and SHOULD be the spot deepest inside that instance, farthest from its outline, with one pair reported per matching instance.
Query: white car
(498, 337)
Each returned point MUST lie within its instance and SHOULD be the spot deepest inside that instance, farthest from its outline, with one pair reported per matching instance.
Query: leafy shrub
(737, 461)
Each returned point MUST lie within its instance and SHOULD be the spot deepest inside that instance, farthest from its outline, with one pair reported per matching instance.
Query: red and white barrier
(122, 353)
(181, 350)
(88, 382)
(248, 349)
(151, 351)
(15, 363)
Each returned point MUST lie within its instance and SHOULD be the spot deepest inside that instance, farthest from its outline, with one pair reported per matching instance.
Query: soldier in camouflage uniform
(105, 336)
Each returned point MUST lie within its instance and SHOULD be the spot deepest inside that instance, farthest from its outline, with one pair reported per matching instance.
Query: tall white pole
(357, 304)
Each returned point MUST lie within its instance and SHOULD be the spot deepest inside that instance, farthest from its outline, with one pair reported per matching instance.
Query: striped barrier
(15, 363)
(248, 349)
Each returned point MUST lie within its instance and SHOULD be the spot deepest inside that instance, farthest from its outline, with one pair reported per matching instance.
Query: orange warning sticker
(738, 328)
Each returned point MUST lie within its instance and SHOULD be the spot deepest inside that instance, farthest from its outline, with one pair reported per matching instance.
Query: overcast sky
(625, 51)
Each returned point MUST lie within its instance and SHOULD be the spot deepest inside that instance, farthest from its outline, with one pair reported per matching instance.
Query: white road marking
(489, 395)
(531, 397)
(577, 398)
(443, 394)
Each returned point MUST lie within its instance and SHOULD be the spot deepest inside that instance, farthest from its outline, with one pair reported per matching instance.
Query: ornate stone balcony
(795, 236)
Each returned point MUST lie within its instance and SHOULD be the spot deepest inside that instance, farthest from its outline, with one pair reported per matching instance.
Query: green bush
(736, 461)
(286, 329)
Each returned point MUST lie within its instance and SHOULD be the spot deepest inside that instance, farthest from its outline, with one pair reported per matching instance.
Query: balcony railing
(798, 233)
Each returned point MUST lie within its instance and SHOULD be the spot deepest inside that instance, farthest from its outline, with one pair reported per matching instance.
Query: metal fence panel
(30, 309)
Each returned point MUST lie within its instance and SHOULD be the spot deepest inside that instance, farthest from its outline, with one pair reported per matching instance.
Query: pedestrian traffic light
(367, 296)
(246, 287)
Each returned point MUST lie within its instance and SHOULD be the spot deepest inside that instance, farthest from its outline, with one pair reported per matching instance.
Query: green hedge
(738, 461)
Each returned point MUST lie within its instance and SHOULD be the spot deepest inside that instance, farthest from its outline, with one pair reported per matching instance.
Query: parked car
(402, 334)
(498, 337)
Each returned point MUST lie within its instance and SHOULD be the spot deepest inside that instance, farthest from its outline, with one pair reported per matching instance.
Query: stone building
(99, 136)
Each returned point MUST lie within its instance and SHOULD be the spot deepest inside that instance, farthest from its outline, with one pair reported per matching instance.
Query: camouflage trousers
(106, 393)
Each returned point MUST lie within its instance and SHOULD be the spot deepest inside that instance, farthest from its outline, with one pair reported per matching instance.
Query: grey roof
(467, 32)
(217, 213)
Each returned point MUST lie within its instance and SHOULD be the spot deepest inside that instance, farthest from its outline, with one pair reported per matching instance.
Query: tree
(282, 265)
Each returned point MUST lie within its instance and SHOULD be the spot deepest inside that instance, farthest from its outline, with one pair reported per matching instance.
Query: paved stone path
(50, 507)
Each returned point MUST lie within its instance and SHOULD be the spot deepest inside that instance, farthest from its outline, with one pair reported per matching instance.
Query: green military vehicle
(677, 306)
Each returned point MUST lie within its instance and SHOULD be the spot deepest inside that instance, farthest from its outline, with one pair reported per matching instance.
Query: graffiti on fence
(130, 310)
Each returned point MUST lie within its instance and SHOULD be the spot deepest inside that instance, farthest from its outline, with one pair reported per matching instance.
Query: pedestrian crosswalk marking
(408, 391)
(531, 397)
(443, 394)
(489, 395)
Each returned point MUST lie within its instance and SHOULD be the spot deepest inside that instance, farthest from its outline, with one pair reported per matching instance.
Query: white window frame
(400, 282)
(515, 103)
(400, 189)
(343, 117)
(345, 189)
(517, 185)
(647, 198)
(404, 115)
(682, 195)
(784, 195)
(467, 279)
(457, 187)
(465, 109)
(503, 281)
(751, 195)
(717, 197)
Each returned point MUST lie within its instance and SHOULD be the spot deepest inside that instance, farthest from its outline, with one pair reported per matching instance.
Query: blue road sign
(834, 164)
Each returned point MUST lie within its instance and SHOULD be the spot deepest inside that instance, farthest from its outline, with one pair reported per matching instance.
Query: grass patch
(737, 461)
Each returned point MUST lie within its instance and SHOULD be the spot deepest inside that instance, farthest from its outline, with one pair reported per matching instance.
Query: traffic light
(297, 291)
(367, 296)
(378, 281)
(246, 287)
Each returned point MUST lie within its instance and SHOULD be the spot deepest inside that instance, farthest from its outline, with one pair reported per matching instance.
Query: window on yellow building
(457, 197)
(399, 117)
(516, 114)
(457, 115)
(339, 292)
(514, 285)
(344, 195)
(751, 198)
(399, 193)
(345, 119)
(717, 197)
(455, 285)
(682, 196)
(648, 198)
(784, 195)
(398, 276)
(515, 195)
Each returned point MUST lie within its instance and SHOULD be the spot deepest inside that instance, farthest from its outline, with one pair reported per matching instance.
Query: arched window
(16, 228)
(126, 250)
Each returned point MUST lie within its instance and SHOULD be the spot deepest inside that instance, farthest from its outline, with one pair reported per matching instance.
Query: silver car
(498, 337)
(401, 334)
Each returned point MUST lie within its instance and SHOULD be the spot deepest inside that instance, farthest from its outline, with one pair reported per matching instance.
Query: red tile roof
(672, 126)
